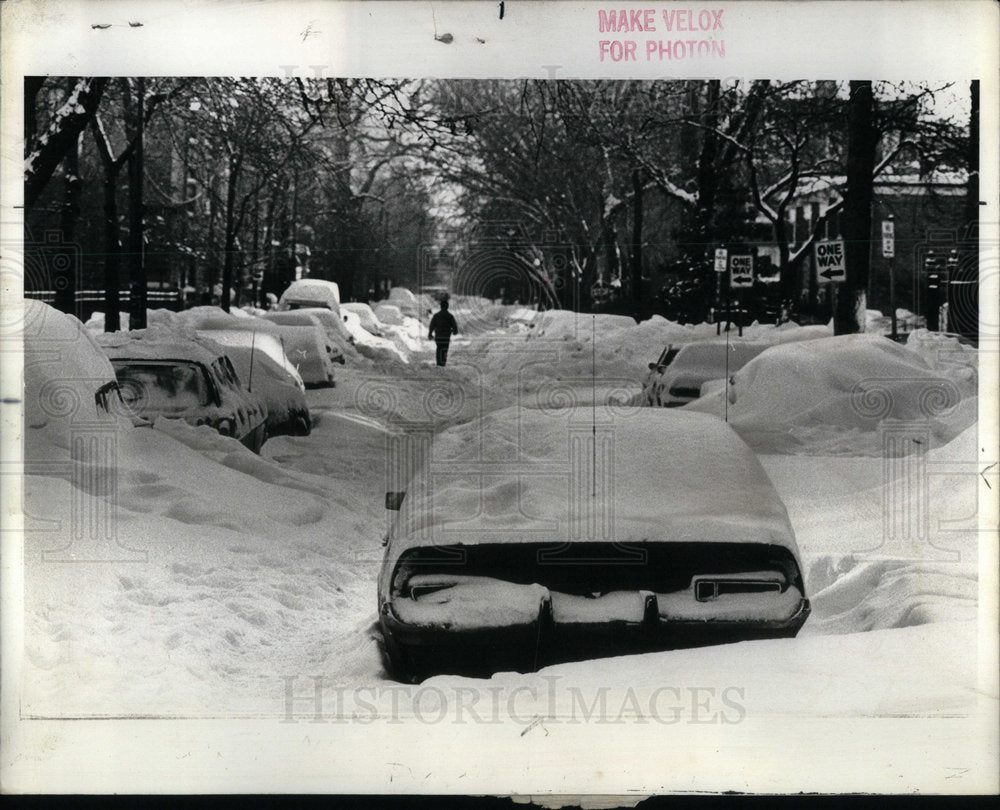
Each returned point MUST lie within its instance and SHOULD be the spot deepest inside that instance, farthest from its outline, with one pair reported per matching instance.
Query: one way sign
(740, 271)
(830, 265)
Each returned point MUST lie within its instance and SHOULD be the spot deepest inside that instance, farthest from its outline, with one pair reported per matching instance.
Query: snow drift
(830, 396)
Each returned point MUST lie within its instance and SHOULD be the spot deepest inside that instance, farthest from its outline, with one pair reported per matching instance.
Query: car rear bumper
(525, 647)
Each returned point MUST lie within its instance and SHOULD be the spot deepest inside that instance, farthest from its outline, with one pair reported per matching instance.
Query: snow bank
(830, 396)
(95, 323)
(564, 324)
(856, 596)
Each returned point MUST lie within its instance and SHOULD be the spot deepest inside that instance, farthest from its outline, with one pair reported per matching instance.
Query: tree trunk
(229, 258)
(137, 258)
(857, 213)
(638, 297)
(112, 248)
(66, 277)
(788, 274)
(32, 86)
(707, 177)
(972, 188)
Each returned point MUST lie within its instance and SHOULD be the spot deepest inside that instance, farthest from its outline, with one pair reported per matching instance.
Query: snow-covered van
(678, 538)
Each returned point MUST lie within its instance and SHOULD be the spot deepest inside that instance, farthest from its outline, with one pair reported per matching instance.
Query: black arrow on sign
(741, 279)
(832, 274)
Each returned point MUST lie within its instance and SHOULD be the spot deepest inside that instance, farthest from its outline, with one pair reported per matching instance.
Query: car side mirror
(393, 500)
(653, 366)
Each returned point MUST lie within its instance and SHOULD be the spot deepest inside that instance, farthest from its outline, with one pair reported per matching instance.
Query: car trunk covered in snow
(674, 537)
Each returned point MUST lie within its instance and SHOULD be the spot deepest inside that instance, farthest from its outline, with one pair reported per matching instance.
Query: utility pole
(857, 215)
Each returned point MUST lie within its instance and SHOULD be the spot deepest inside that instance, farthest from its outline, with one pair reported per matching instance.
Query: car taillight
(708, 590)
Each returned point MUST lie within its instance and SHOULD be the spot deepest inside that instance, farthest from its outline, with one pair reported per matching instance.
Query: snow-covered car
(499, 572)
(287, 411)
(388, 314)
(266, 342)
(330, 322)
(366, 315)
(311, 292)
(163, 374)
(678, 374)
(305, 346)
(405, 301)
(370, 346)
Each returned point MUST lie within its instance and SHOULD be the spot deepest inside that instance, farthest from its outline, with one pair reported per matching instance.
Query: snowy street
(237, 579)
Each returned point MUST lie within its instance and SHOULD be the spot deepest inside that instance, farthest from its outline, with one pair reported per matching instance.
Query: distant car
(366, 315)
(330, 322)
(678, 374)
(187, 379)
(306, 347)
(389, 314)
(311, 292)
(287, 410)
(405, 301)
(486, 574)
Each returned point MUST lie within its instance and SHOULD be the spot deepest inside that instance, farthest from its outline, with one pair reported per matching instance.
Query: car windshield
(167, 386)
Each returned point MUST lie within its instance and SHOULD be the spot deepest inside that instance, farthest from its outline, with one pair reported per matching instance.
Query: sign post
(889, 253)
(721, 265)
(740, 277)
(831, 268)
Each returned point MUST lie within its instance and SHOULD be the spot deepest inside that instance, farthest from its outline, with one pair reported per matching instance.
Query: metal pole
(718, 302)
(892, 297)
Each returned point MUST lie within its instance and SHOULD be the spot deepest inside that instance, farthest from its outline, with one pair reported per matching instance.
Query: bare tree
(45, 149)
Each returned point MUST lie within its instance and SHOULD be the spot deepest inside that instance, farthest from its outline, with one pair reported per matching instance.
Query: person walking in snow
(442, 327)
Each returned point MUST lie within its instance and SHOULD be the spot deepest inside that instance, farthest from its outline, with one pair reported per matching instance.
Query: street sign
(721, 255)
(740, 271)
(830, 264)
(888, 238)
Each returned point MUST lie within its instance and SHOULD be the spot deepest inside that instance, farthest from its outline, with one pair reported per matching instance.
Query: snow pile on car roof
(661, 476)
(831, 395)
(160, 343)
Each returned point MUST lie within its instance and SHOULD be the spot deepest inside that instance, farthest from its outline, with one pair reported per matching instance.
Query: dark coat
(443, 326)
